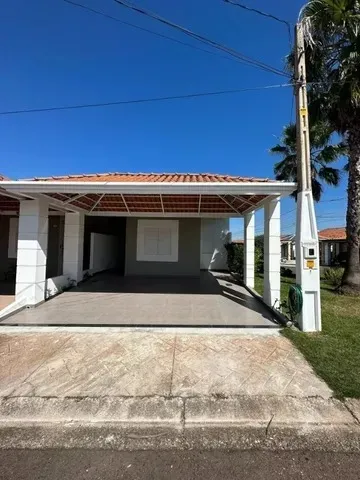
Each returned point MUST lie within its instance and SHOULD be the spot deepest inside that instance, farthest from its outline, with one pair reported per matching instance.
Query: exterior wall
(73, 246)
(107, 226)
(56, 285)
(5, 262)
(214, 236)
(189, 251)
(103, 252)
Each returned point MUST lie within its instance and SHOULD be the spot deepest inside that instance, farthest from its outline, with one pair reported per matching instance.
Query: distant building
(287, 247)
(333, 246)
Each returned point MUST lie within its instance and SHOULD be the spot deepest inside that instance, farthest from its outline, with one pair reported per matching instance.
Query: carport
(169, 231)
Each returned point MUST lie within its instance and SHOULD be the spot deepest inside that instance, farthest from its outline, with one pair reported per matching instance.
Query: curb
(138, 423)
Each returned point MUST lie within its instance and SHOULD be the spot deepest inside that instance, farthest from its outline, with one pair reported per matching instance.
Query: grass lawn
(335, 352)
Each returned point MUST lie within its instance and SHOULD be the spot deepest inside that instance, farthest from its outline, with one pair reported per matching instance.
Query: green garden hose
(295, 300)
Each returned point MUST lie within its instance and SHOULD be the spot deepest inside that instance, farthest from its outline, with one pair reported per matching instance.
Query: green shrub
(259, 259)
(333, 276)
(235, 258)
(286, 272)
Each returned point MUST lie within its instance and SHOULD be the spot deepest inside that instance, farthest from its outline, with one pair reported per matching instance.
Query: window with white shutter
(157, 240)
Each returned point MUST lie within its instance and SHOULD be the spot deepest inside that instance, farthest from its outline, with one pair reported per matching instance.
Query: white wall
(56, 285)
(13, 237)
(103, 252)
(214, 235)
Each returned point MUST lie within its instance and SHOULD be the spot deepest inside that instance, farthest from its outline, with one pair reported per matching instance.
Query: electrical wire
(243, 58)
(263, 14)
(152, 32)
(142, 100)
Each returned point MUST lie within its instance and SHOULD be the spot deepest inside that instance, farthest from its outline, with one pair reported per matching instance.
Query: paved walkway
(109, 299)
(5, 300)
(135, 363)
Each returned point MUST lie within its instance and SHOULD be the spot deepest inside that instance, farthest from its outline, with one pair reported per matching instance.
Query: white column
(308, 263)
(32, 251)
(272, 252)
(249, 249)
(74, 246)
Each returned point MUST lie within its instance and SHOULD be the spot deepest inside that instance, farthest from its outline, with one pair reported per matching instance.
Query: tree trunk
(351, 279)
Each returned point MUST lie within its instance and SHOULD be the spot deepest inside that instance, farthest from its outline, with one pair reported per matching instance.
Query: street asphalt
(176, 465)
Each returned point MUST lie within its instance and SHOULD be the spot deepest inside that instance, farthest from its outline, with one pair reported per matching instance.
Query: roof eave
(143, 188)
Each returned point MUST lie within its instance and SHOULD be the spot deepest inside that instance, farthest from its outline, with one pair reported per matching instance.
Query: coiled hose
(295, 301)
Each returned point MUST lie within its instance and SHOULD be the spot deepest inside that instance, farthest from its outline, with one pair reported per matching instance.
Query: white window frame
(142, 225)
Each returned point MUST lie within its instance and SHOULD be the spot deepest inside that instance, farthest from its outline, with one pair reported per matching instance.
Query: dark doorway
(55, 250)
(108, 226)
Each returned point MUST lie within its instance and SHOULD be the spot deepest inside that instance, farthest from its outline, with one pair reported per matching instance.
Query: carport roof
(151, 194)
(151, 177)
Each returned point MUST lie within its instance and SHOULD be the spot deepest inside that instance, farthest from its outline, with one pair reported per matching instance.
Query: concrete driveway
(119, 362)
(109, 299)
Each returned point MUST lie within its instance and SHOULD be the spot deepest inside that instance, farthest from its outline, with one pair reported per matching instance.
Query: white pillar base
(249, 249)
(308, 278)
(272, 253)
(74, 246)
(31, 252)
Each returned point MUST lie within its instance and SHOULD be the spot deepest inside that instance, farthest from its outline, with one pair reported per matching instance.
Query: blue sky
(58, 54)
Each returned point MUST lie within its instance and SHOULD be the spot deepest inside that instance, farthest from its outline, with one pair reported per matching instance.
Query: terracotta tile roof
(152, 177)
(333, 234)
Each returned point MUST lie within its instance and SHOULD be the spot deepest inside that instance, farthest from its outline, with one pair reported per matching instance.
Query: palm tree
(322, 154)
(332, 36)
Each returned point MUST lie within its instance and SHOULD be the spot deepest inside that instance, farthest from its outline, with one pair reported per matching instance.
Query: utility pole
(307, 244)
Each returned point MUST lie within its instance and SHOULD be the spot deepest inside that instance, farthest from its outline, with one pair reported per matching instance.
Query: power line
(243, 58)
(290, 211)
(142, 100)
(263, 14)
(152, 32)
(322, 201)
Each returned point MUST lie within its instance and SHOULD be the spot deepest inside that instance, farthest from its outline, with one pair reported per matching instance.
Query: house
(288, 248)
(56, 231)
(333, 246)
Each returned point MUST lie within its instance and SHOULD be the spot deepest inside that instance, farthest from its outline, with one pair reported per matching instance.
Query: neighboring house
(287, 248)
(333, 246)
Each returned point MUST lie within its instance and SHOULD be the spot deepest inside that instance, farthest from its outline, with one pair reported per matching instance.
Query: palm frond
(329, 175)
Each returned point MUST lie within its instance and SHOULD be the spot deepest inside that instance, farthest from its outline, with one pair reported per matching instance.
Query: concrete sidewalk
(154, 389)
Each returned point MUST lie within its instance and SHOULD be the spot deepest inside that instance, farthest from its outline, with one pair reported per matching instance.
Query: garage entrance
(107, 299)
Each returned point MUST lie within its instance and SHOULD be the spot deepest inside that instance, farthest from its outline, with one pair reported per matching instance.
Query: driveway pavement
(109, 299)
(139, 363)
